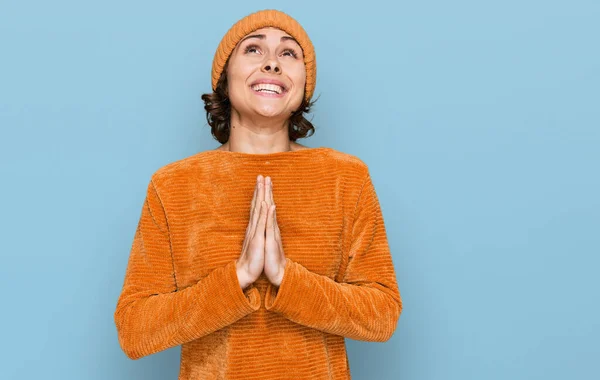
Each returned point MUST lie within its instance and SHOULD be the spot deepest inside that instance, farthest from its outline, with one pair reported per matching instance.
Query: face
(267, 54)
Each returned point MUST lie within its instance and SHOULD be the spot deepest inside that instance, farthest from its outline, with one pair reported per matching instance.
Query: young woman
(260, 257)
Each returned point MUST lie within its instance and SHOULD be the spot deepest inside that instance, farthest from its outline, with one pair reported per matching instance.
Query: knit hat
(261, 19)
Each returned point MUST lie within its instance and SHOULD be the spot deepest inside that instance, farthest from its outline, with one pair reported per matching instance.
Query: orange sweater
(181, 286)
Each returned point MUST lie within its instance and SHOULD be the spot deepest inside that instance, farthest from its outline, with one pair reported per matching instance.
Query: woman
(260, 256)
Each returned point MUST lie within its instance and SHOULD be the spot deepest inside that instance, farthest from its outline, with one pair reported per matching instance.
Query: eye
(292, 51)
(250, 47)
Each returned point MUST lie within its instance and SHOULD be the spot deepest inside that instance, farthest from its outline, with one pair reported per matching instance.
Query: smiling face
(266, 55)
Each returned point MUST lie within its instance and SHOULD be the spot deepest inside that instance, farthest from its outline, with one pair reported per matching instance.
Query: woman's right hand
(252, 259)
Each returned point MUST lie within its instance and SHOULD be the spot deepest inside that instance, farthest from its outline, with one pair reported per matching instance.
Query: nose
(271, 66)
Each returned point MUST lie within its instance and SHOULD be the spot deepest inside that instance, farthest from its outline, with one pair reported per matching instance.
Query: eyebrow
(263, 36)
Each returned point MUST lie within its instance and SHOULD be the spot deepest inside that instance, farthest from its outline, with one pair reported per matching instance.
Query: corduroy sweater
(181, 285)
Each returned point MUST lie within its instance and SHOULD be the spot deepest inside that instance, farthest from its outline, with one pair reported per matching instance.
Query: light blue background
(479, 121)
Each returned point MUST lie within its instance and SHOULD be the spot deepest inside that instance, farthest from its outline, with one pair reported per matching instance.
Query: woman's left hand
(274, 265)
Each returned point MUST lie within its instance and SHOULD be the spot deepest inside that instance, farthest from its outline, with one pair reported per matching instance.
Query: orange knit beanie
(261, 19)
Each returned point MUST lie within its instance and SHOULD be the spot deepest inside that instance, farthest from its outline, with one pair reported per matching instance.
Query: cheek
(300, 88)
(235, 90)
(236, 82)
(235, 78)
(299, 75)
(238, 73)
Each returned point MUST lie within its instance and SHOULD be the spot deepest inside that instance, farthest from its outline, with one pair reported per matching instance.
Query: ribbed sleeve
(366, 305)
(152, 314)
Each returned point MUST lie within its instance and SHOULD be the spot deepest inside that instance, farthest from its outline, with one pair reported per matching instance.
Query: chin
(269, 110)
(270, 114)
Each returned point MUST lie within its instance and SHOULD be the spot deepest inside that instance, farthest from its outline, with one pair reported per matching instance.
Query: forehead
(268, 33)
(269, 30)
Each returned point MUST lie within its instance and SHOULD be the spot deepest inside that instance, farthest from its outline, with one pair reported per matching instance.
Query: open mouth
(267, 88)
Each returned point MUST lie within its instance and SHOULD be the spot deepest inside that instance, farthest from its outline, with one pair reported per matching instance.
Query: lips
(269, 86)
(268, 89)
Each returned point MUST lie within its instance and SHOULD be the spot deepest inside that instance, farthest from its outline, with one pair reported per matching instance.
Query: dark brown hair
(218, 113)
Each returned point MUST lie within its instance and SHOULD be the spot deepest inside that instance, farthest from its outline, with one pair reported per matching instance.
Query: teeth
(268, 87)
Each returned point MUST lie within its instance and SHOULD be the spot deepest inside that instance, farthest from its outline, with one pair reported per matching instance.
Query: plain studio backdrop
(479, 120)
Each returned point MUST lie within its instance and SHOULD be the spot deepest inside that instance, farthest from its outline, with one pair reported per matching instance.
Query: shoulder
(349, 164)
(180, 171)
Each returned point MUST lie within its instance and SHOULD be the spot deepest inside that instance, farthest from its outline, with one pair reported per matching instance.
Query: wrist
(243, 278)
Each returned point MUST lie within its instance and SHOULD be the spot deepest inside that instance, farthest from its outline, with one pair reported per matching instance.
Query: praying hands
(262, 249)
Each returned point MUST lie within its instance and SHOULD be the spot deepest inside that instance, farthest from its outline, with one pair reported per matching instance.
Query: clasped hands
(262, 249)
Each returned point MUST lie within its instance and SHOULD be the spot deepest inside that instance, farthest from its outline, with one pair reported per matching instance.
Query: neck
(258, 139)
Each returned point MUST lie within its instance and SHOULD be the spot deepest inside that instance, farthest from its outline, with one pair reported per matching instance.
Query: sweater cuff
(277, 299)
(248, 299)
